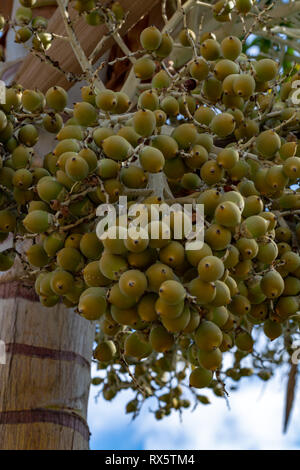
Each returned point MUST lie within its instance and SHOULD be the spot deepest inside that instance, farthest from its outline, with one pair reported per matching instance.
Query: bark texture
(45, 381)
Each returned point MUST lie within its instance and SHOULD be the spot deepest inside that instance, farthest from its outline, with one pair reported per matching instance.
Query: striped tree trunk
(45, 381)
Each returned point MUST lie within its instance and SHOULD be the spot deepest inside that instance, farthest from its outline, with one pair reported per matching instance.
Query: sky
(254, 422)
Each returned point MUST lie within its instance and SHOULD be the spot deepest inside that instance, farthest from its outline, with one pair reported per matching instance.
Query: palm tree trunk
(45, 380)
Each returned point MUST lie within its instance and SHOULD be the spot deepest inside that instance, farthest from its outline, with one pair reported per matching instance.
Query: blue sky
(254, 422)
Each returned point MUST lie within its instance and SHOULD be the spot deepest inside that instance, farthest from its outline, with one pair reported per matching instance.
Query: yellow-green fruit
(172, 254)
(37, 256)
(291, 286)
(244, 85)
(272, 329)
(190, 181)
(231, 47)
(266, 69)
(268, 143)
(31, 100)
(117, 298)
(232, 257)
(116, 147)
(200, 378)
(198, 156)
(148, 100)
(61, 282)
(85, 114)
(53, 243)
(92, 303)
(67, 145)
(100, 134)
(56, 98)
(204, 115)
(272, 284)
(52, 123)
(244, 341)
(243, 6)
(218, 237)
(112, 266)
(194, 256)
(287, 306)
(165, 47)
(76, 168)
(247, 247)
(288, 150)
(166, 144)
(218, 315)
(205, 292)
(172, 292)
(151, 159)
(93, 277)
(160, 339)
(225, 67)
(21, 157)
(157, 274)
(22, 178)
(6, 262)
(170, 106)
(28, 135)
(150, 38)
(106, 100)
(193, 323)
(69, 259)
(223, 124)
(165, 310)
(240, 305)
(253, 206)
(291, 261)
(161, 80)
(36, 221)
(185, 135)
(146, 307)
(105, 351)
(144, 68)
(177, 324)
(227, 158)
(50, 189)
(228, 214)
(210, 360)
(136, 346)
(254, 226)
(199, 69)
(208, 336)
(223, 296)
(267, 252)
(291, 167)
(210, 49)
(133, 283)
(210, 199)
(71, 131)
(211, 173)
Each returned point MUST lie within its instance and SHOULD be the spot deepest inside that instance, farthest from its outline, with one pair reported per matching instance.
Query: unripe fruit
(199, 69)
(218, 237)
(244, 85)
(171, 292)
(200, 378)
(136, 346)
(205, 292)
(166, 144)
(92, 303)
(146, 307)
(77, 168)
(272, 284)
(85, 114)
(157, 274)
(222, 124)
(56, 98)
(178, 324)
(116, 147)
(161, 80)
(61, 282)
(105, 351)
(112, 266)
(227, 158)
(144, 122)
(211, 173)
(272, 329)
(266, 69)
(150, 38)
(106, 100)
(37, 256)
(151, 159)
(133, 283)
(254, 226)
(244, 341)
(36, 221)
(210, 49)
(165, 47)
(228, 214)
(144, 68)
(231, 47)
(243, 6)
(93, 277)
(210, 360)
(268, 143)
(160, 339)
(69, 259)
(208, 336)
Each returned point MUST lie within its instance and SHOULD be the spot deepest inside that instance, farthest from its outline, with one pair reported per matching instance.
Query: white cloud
(254, 422)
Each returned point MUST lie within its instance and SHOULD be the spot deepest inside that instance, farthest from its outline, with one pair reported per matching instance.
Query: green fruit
(85, 114)
(56, 98)
(200, 378)
(36, 221)
(150, 38)
(160, 339)
(208, 336)
(210, 360)
(69, 259)
(92, 303)
(61, 282)
(105, 351)
(171, 292)
(133, 283)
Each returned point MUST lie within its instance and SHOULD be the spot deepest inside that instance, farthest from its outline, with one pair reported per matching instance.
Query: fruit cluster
(220, 130)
